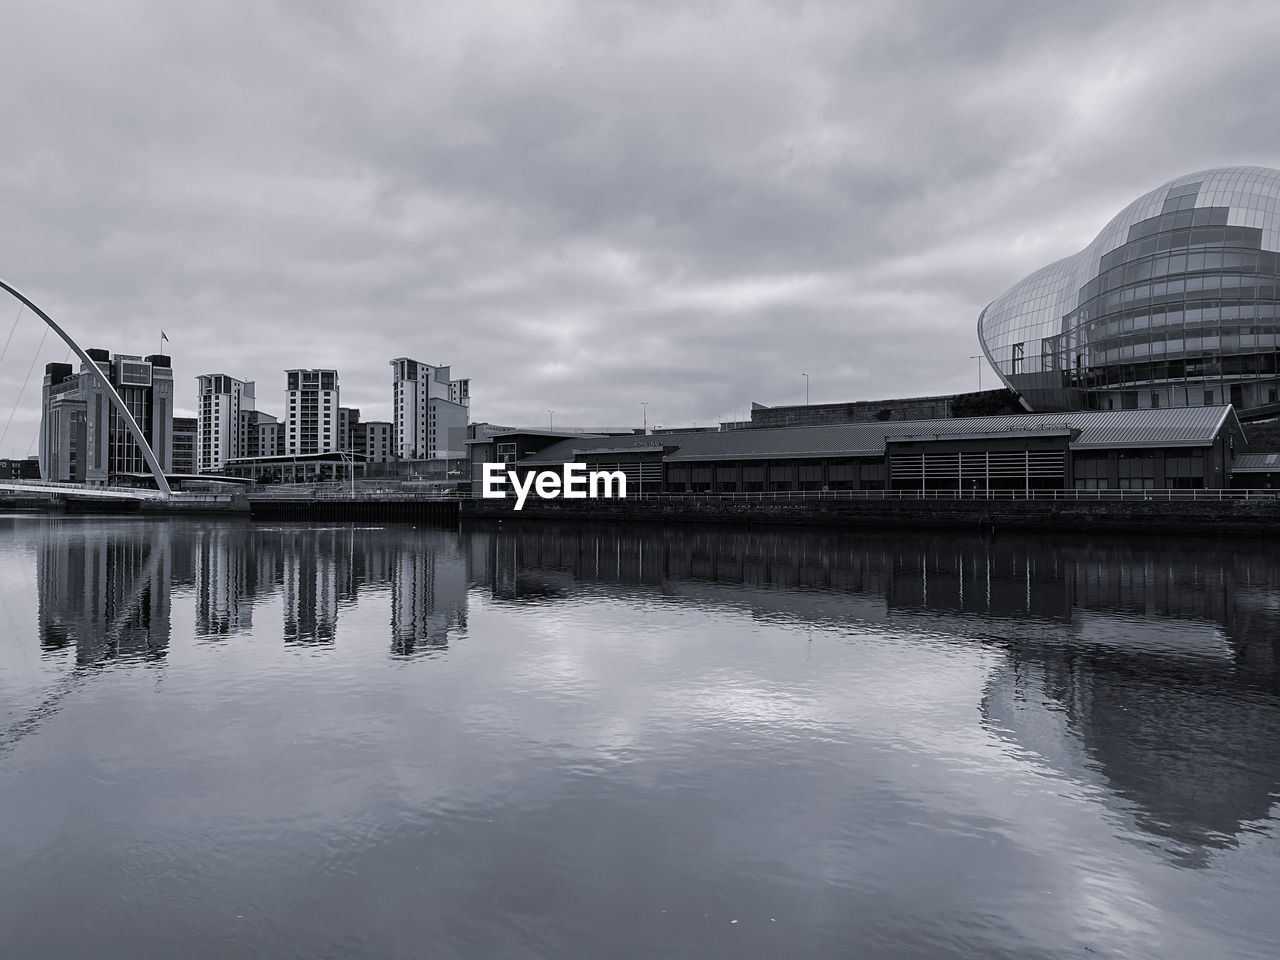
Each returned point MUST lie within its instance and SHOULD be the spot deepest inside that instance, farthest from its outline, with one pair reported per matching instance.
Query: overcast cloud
(583, 206)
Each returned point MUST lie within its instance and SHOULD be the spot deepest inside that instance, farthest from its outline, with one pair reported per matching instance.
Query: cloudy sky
(587, 206)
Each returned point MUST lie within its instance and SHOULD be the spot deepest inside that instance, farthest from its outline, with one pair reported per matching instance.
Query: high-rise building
(223, 402)
(429, 410)
(83, 438)
(185, 433)
(311, 414)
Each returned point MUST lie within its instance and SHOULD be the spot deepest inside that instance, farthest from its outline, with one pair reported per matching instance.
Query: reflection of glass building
(1143, 672)
(1185, 749)
(1175, 303)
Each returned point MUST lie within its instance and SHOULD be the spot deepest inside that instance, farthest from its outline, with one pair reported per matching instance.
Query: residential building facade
(185, 435)
(222, 403)
(430, 411)
(263, 436)
(373, 440)
(348, 423)
(311, 412)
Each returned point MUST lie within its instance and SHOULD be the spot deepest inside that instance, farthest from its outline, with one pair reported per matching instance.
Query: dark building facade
(84, 439)
(184, 445)
(27, 469)
(981, 404)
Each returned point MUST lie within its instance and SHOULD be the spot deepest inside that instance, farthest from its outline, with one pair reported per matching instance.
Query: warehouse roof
(1257, 463)
(1090, 429)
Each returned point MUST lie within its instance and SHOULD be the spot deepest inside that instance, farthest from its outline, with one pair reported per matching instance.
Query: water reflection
(1142, 670)
(107, 597)
(108, 592)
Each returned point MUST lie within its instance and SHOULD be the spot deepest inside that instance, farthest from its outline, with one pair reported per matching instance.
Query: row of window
(1243, 290)
(1244, 366)
(1233, 256)
(1139, 483)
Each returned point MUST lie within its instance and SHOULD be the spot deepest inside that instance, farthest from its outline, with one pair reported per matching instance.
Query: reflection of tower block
(226, 579)
(414, 623)
(310, 589)
(428, 596)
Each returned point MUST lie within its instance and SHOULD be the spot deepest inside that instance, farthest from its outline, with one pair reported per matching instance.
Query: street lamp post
(644, 413)
(978, 357)
(551, 419)
(806, 388)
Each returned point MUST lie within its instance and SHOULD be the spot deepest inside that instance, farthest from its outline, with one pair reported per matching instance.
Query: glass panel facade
(1177, 300)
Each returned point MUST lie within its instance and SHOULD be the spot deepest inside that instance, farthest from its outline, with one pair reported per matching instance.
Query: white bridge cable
(35, 438)
(9, 339)
(25, 381)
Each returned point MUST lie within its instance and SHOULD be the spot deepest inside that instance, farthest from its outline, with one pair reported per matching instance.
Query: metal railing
(343, 491)
(59, 486)
(1087, 496)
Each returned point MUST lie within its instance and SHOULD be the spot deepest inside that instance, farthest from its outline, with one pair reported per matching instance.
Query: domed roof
(1047, 303)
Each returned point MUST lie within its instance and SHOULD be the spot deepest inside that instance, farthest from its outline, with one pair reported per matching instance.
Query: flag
(164, 337)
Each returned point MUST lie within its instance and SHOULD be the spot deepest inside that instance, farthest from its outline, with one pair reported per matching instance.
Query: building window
(1155, 398)
(1208, 398)
(1015, 364)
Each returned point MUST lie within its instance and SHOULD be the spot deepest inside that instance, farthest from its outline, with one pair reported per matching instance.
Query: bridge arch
(147, 453)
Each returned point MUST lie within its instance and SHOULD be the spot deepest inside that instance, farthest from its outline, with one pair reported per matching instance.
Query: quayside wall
(391, 510)
(1201, 516)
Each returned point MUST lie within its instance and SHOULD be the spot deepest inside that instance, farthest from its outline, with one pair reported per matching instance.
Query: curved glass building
(1175, 303)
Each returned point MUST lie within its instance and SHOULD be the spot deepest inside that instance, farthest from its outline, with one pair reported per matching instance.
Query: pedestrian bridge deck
(52, 488)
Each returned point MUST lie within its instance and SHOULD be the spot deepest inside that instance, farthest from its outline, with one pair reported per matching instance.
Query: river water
(535, 740)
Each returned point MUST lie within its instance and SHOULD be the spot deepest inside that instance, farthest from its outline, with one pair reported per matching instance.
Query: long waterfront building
(1148, 449)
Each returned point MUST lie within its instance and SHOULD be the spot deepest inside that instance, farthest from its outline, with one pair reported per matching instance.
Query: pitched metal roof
(1257, 463)
(1093, 430)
